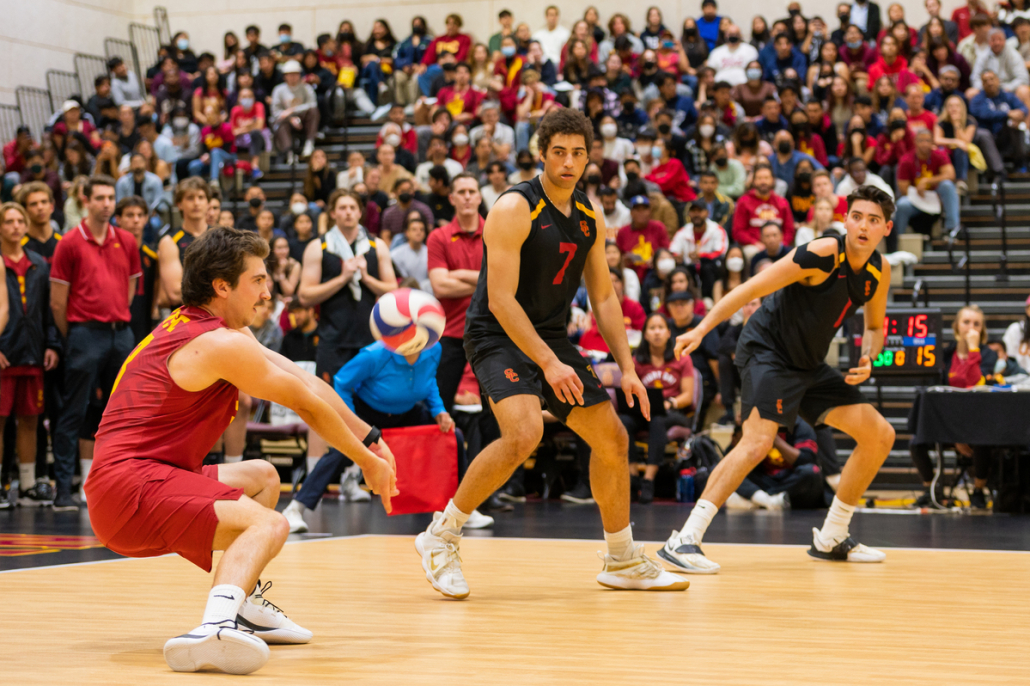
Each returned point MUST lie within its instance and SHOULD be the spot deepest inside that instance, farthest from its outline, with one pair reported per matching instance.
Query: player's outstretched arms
(814, 258)
(240, 360)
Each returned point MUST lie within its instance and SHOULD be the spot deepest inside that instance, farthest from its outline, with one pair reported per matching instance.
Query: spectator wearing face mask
(615, 148)
(653, 285)
(786, 158)
(729, 173)
(804, 140)
(392, 222)
(670, 175)
(247, 120)
(731, 59)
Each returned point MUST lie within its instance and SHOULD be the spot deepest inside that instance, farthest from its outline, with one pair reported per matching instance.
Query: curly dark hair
(873, 194)
(217, 254)
(564, 121)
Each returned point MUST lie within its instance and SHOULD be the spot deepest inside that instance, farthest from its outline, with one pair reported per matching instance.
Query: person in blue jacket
(388, 390)
(781, 57)
(1001, 112)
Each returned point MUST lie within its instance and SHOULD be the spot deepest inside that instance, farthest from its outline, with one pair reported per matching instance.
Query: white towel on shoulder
(337, 244)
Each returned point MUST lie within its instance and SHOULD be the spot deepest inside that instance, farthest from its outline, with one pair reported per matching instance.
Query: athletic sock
(311, 462)
(27, 475)
(699, 519)
(223, 602)
(452, 519)
(620, 544)
(835, 528)
(229, 459)
(85, 465)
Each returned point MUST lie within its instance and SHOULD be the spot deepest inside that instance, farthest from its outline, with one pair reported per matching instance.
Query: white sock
(452, 519)
(296, 505)
(699, 519)
(223, 602)
(27, 475)
(620, 544)
(229, 459)
(833, 480)
(311, 462)
(762, 499)
(835, 528)
(85, 465)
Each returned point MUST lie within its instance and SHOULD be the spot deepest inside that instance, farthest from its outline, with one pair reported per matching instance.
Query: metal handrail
(1001, 214)
(921, 288)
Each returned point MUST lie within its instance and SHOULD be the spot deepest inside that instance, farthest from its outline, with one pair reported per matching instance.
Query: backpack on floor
(701, 453)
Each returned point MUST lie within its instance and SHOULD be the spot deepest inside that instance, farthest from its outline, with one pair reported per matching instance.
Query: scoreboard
(911, 341)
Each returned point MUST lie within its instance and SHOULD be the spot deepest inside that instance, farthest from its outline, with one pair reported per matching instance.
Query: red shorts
(21, 392)
(145, 508)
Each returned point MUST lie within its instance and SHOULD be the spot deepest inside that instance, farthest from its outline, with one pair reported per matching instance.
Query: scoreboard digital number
(911, 341)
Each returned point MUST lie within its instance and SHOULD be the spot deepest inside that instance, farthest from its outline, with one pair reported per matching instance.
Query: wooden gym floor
(536, 616)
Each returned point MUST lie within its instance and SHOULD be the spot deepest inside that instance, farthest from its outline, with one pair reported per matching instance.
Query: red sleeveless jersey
(149, 416)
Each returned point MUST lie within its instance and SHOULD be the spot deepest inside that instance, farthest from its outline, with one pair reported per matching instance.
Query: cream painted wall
(37, 35)
(207, 20)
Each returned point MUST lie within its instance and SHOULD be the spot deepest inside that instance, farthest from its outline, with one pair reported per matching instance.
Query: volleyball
(407, 321)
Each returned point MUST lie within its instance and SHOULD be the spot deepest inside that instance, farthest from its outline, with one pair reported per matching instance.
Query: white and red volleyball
(407, 321)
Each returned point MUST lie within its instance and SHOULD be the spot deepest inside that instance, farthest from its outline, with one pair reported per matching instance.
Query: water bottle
(685, 485)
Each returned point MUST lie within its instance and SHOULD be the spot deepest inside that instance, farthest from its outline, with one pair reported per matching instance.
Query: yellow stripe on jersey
(539, 208)
(324, 245)
(873, 270)
(24, 240)
(57, 236)
(147, 250)
(176, 237)
(843, 257)
(585, 210)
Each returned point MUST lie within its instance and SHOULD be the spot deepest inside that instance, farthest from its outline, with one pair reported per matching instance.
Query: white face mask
(180, 122)
(735, 264)
(999, 366)
(392, 139)
(609, 130)
(665, 265)
(707, 130)
(299, 208)
(460, 140)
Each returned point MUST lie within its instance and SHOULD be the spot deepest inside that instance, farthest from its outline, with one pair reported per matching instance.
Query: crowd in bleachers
(718, 146)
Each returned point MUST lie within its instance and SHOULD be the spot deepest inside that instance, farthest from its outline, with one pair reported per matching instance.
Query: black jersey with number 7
(552, 260)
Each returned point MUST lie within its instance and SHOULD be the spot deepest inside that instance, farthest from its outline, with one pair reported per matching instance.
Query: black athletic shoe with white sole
(847, 550)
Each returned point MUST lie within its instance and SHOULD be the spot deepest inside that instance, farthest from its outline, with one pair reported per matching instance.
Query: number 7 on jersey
(569, 248)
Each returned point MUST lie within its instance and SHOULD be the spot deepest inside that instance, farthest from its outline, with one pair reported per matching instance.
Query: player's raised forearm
(613, 329)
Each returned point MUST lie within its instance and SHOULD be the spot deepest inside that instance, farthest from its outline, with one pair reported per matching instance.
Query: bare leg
(522, 426)
(235, 437)
(257, 478)
(754, 445)
(874, 438)
(609, 472)
(251, 535)
(25, 439)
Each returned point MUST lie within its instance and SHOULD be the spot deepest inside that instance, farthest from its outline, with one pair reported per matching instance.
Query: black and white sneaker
(846, 550)
(64, 502)
(267, 621)
(220, 646)
(977, 499)
(40, 495)
(580, 495)
(512, 492)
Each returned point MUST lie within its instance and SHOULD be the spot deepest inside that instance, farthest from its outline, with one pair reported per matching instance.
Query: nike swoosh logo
(227, 597)
(240, 619)
(544, 227)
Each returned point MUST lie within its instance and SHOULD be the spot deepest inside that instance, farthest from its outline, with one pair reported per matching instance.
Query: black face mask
(793, 13)
(799, 129)
(404, 198)
(628, 107)
(690, 32)
(632, 176)
(721, 162)
(345, 36)
(894, 125)
(733, 40)
(418, 30)
(784, 147)
(664, 128)
(854, 131)
(36, 169)
(650, 65)
(804, 178)
(526, 166)
(594, 179)
(364, 197)
(256, 202)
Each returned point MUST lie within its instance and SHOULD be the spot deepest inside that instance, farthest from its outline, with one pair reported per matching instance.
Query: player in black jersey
(38, 201)
(780, 355)
(540, 238)
(192, 196)
(132, 213)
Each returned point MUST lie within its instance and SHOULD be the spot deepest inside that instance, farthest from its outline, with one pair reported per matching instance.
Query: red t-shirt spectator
(633, 316)
(889, 152)
(238, 117)
(864, 56)
(753, 212)
(640, 244)
(961, 16)
(458, 103)
(870, 142)
(673, 180)
(512, 76)
(450, 247)
(911, 168)
(668, 377)
(459, 45)
(14, 161)
(409, 139)
(840, 212)
(897, 72)
(219, 137)
(965, 373)
(926, 119)
(97, 274)
(813, 145)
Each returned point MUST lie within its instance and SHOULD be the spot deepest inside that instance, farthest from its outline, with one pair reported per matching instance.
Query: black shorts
(503, 371)
(781, 393)
(329, 360)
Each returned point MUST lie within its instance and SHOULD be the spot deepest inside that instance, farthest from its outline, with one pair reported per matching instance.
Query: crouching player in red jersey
(176, 393)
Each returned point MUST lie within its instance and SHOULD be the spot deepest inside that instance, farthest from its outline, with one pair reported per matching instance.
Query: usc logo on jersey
(584, 227)
(510, 374)
(779, 405)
